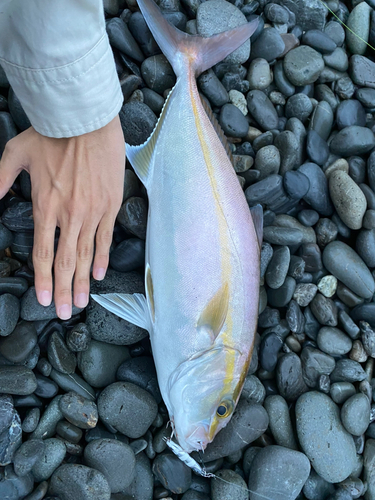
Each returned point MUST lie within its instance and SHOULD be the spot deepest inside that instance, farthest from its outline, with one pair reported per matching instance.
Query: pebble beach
(81, 414)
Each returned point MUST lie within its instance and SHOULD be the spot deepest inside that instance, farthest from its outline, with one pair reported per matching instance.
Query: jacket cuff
(73, 99)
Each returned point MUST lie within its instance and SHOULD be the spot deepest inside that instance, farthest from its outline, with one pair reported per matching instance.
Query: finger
(85, 252)
(65, 263)
(103, 242)
(10, 167)
(43, 251)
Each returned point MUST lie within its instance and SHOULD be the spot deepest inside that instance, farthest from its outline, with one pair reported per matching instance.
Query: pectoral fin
(131, 307)
(214, 314)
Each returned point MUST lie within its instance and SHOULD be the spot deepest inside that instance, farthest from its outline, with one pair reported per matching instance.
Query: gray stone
(99, 363)
(358, 22)
(142, 485)
(78, 410)
(317, 195)
(262, 109)
(17, 380)
(159, 76)
(54, 454)
(310, 14)
(172, 473)
(73, 382)
(128, 408)
(315, 364)
(234, 487)
(9, 313)
(316, 487)
(232, 120)
(269, 45)
(369, 468)
(278, 267)
(324, 310)
(31, 310)
(333, 341)
(267, 161)
(278, 472)
(341, 391)
(303, 65)
(355, 414)
(353, 140)
(337, 60)
(59, 355)
(27, 455)
(362, 71)
(259, 74)
(289, 377)
(344, 263)
(280, 422)
(72, 481)
(217, 16)
(47, 424)
(347, 370)
(322, 437)
(365, 245)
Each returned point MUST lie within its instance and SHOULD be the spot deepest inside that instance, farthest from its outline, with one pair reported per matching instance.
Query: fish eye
(224, 409)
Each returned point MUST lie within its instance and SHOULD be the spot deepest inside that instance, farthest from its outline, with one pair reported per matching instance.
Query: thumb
(11, 165)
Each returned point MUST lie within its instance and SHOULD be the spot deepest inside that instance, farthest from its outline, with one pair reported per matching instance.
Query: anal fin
(131, 307)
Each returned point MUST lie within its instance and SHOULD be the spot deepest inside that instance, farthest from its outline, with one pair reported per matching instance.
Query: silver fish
(202, 247)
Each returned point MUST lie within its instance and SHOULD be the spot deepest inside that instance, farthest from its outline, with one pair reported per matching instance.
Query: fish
(203, 246)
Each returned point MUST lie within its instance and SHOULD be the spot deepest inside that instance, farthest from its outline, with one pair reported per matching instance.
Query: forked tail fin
(182, 49)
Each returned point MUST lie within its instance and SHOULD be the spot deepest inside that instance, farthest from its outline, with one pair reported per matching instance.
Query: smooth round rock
(269, 349)
(324, 310)
(353, 140)
(100, 361)
(259, 74)
(172, 473)
(267, 161)
(114, 459)
(282, 296)
(9, 313)
(27, 455)
(128, 255)
(317, 148)
(333, 341)
(350, 112)
(317, 195)
(121, 38)
(17, 346)
(341, 391)
(280, 422)
(289, 377)
(69, 432)
(234, 487)
(355, 414)
(322, 437)
(348, 199)
(59, 355)
(137, 119)
(365, 245)
(347, 370)
(315, 363)
(53, 455)
(345, 264)
(278, 472)
(319, 40)
(278, 267)
(303, 65)
(17, 380)
(262, 109)
(232, 121)
(128, 408)
(73, 481)
(140, 371)
(31, 420)
(6, 237)
(78, 338)
(78, 410)
(133, 216)
(212, 88)
(46, 388)
(358, 22)
(269, 45)
(218, 16)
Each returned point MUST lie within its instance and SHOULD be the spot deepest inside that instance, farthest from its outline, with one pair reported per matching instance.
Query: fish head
(203, 393)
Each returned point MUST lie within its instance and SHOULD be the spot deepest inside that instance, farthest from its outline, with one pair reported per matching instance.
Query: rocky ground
(81, 416)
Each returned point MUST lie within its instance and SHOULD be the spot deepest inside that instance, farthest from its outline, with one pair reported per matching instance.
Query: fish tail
(194, 51)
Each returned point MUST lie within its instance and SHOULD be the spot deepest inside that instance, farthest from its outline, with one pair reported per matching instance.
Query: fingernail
(81, 300)
(64, 312)
(45, 298)
(100, 273)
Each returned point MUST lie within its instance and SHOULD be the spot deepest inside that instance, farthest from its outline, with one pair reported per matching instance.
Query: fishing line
(347, 27)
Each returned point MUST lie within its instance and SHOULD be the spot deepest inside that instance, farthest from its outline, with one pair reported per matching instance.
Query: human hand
(77, 185)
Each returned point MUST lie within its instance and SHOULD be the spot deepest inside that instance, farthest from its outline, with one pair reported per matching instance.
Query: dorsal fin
(218, 129)
(214, 314)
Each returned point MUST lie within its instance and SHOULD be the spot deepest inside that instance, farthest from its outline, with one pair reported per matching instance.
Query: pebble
(267, 161)
(100, 361)
(369, 468)
(47, 424)
(352, 140)
(277, 269)
(316, 487)
(282, 235)
(324, 310)
(159, 76)
(281, 81)
(355, 414)
(287, 144)
(46, 388)
(249, 422)
(337, 60)
(349, 113)
(315, 363)
(6, 237)
(218, 16)
(27, 455)
(53, 455)
(128, 408)
(212, 88)
(78, 338)
(172, 473)
(128, 255)
(269, 45)
(289, 377)
(308, 217)
(265, 257)
(269, 349)
(280, 422)
(73, 382)
(358, 22)
(9, 313)
(114, 459)
(323, 438)
(59, 355)
(69, 432)
(141, 117)
(368, 338)
(141, 372)
(232, 120)
(133, 216)
(238, 99)
(10, 430)
(304, 293)
(347, 370)
(13, 487)
(295, 318)
(72, 481)
(303, 65)
(333, 341)
(31, 420)
(31, 310)
(282, 296)
(8, 130)
(369, 219)
(326, 231)
(345, 264)
(362, 71)
(253, 390)
(319, 41)
(262, 109)
(317, 148)
(327, 285)
(278, 472)
(358, 352)
(341, 391)
(78, 410)
(105, 326)
(317, 195)
(17, 380)
(234, 487)
(259, 74)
